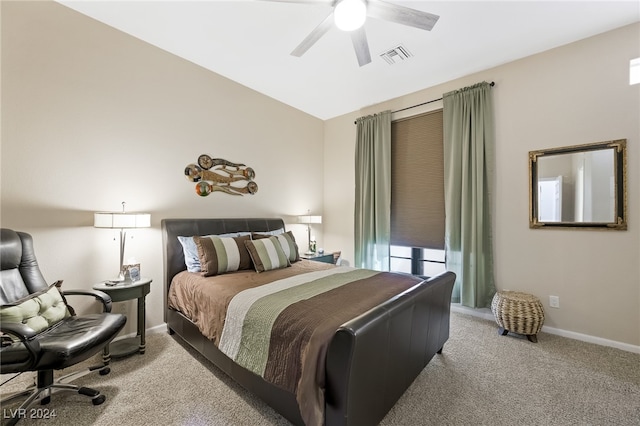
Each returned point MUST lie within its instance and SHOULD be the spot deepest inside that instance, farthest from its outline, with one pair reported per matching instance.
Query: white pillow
(274, 232)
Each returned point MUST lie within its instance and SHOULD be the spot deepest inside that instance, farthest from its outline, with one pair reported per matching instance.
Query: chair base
(46, 386)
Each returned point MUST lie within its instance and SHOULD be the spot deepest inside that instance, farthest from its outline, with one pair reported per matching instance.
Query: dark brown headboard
(173, 257)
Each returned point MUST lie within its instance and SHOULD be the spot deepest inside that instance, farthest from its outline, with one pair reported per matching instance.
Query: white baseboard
(153, 330)
(162, 328)
(485, 313)
(592, 339)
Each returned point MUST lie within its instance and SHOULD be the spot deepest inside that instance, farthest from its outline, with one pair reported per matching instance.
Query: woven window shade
(417, 181)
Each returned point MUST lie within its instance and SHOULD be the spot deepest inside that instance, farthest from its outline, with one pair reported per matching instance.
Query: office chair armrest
(26, 335)
(97, 294)
(22, 331)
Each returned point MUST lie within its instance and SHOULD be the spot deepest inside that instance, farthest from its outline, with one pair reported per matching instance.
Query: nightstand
(127, 291)
(326, 257)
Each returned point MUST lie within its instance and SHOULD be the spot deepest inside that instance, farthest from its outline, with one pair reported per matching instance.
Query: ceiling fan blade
(314, 36)
(401, 15)
(361, 46)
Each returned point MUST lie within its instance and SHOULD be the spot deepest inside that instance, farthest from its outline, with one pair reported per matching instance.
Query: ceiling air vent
(397, 54)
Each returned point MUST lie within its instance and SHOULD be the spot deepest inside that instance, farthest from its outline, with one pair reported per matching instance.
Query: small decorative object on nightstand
(119, 293)
(325, 258)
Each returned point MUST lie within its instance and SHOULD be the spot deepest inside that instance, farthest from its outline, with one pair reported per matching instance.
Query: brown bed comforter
(278, 324)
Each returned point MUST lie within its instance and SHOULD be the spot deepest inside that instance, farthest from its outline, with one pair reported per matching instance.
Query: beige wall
(92, 117)
(575, 94)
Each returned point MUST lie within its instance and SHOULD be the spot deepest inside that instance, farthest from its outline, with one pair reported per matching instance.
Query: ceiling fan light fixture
(350, 15)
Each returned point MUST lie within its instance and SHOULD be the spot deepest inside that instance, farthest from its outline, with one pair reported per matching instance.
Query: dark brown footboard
(374, 358)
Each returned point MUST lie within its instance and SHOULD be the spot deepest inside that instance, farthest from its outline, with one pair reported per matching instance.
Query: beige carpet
(480, 379)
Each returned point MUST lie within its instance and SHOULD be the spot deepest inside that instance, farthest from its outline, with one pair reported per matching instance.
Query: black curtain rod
(425, 103)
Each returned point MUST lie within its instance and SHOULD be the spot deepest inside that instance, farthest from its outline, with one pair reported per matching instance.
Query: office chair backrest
(19, 271)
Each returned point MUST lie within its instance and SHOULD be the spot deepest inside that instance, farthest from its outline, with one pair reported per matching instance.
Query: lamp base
(309, 253)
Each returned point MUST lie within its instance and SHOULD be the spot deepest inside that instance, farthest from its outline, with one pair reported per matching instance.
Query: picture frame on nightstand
(132, 272)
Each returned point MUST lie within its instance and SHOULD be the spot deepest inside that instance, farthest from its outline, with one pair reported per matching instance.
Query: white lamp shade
(307, 219)
(121, 220)
(350, 15)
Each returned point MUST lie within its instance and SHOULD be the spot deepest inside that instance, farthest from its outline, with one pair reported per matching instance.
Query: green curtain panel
(373, 191)
(468, 172)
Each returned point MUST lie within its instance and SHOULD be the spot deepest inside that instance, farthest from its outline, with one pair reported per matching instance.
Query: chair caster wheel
(105, 371)
(98, 400)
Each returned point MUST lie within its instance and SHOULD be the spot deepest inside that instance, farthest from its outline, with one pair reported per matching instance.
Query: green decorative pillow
(38, 311)
(289, 246)
(222, 254)
(267, 254)
(287, 242)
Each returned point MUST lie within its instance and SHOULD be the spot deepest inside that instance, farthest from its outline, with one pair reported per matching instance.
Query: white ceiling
(250, 41)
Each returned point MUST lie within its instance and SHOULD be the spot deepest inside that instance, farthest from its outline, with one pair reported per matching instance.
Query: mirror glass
(579, 186)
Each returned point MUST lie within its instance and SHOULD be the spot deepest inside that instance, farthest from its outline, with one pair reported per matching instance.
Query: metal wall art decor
(217, 174)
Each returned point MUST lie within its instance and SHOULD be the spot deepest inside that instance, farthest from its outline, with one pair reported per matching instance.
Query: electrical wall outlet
(554, 301)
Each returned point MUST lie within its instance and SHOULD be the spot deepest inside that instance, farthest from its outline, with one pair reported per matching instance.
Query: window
(417, 261)
(634, 71)
(417, 195)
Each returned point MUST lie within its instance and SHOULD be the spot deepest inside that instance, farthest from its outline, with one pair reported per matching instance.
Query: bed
(367, 362)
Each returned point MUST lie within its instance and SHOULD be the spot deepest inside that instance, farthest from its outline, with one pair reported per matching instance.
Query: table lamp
(121, 221)
(308, 220)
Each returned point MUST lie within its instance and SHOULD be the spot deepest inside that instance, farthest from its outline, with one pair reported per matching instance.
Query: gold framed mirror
(581, 186)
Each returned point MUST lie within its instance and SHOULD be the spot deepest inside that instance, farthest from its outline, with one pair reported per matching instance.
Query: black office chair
(40, 332)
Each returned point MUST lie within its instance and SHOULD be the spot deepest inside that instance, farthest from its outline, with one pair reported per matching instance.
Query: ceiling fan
(350, 15)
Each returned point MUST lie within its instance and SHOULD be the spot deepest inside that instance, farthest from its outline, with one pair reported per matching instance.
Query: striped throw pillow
(267, 254)
(219, 255)
(287, 242)
(191, 259)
